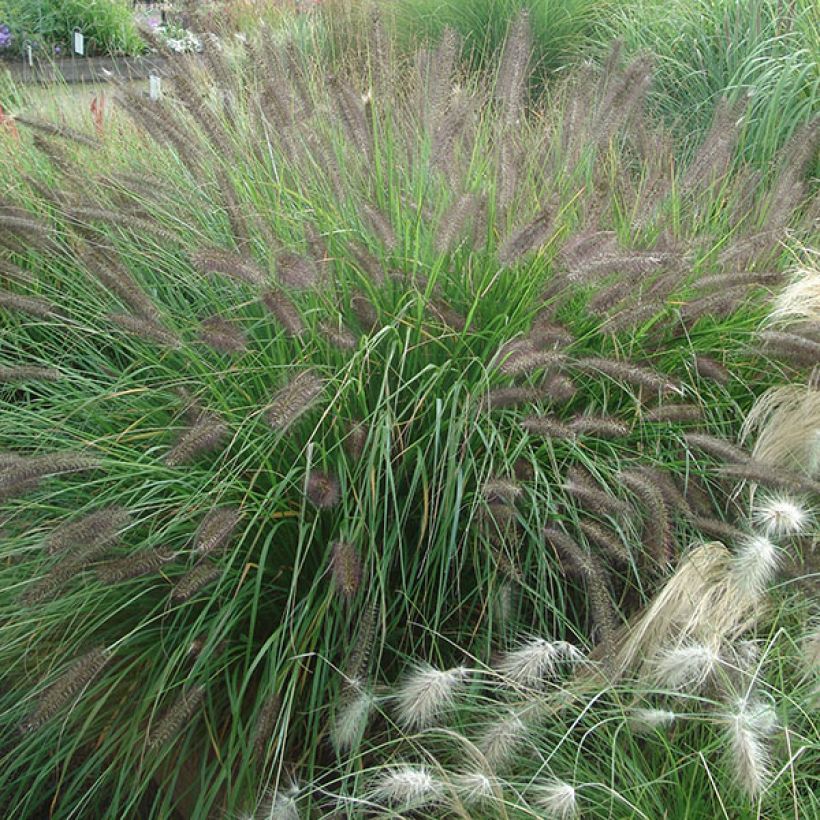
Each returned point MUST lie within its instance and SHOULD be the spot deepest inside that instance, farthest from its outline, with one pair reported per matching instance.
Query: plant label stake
(78, 42)
(154, 87)
(29, 55)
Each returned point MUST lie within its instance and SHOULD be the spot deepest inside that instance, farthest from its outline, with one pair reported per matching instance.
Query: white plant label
(29, 55)
(79, 43)
(154, 87)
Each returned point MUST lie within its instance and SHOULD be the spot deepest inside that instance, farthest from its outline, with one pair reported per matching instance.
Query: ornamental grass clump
(350, 470)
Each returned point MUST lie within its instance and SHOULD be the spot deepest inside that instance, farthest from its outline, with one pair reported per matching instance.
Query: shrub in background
(306, 378)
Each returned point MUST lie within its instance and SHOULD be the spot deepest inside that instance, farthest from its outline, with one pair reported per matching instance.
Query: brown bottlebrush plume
(24, 474)
(379, 225)
(774, 478)
(697, 496)
(358, 663)
(675, 413)
(509, 164)
(351, 114)
(629, 373)
(218, 260)
(204, 573)
(45, 589)
(527, 238)
(501, 491)
(513, 71)
(56, 154)
(146, 329)
(525, 359)
(103, 264)
(796, 349)
(446, 316)
(582, 269)
(746, 250)
(222, 335)
(265, 724)
(730, 280)
(708, 368)
(338, 335)
(19, 223)
(718, 304)
(99, 526)
(547, 427)
(587, 246)
(717, 447)
(346, 567)
(364, 311)
(27, 304)
(285, 312)
(323, 489)
(80, 216)
(605, 299)
(176, 718)
(558, 388)
(294, 399)
(208, 434)
(655, 519)
(547, 333)
(665, 484)
(632, 317)
(367, 264)
(61, 131)
(356, 439)
(580, 485)
(438, 68)
(15, 273)
(601, 426)
(142, 562)
(580, 562)
(66, 688)
(606, 540)
(499, 521)
(715, 528)
(452, 129)
(26, 373)
(296, 271)
(501, 397)
(455, 219)
(216, 529)
(624, 96)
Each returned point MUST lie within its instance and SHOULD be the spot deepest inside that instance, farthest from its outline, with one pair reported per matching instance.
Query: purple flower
(58, 50)
(5, 36)
(153, 22)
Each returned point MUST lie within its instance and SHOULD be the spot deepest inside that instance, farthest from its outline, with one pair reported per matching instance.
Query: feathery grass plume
(445, 315)
(204, 573)
(513, 70)
(66, 688)
(346, 567)
(100, 525)
(717, 447)
(279, 805)
(178, 716)
(556, 799)
(647, 721)
(338, 335)
(45, 589)
(772, 477)
(529, 237)
(672, 496)
(501, 491)
(708, 368)
(559, 388)
(747, 729)
(583, 269)
(454, 220)
(580, 562)
(62, 131)
(800, 299)
(356, 439)
(427, 694)
(142, 562)
(475, 788)
(222, 335)
(523, 361)
(606, 299)
(350, 112)
(606, 540)
(718, 304)
(547, 333)
(780, 515)
(81, 217)
(14, 272)
(323, 489)
(351, 719)
(25, 473)
(265, 724)
(686, 667)
(536, 661)
(630, 318)
(27, 304)
(216, 529)
(581, 486)
(503, 737)
(296, 271)
(677, 413)
(407, 788)
(629, 373)
(721, 280)
(715, 528)
(285, 312)
(103, 265)
(358, 664)
(237, 266)
(601, 426)
(755, 564)
(499, 398)
(547, 427)
(146, 329)
(364, 311)
(208, 434)
(379, 225)
(22, 224)
(295, 399)
(368, 265)
(790, 346)
(28, 373)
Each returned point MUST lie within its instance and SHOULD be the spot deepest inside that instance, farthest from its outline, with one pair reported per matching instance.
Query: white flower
(536, 660)
(427, 694)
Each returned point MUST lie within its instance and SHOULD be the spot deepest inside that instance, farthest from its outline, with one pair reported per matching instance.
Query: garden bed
(94, 69)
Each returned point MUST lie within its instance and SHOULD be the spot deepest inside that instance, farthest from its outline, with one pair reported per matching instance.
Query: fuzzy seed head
(408, 787)
(502, 738)
(352, 719)
(644, 721)
(557, 799)
(323, 489)
(755, 564)
(686, 667)
(427, 694)
(747, 730)
(475, 788)
(536, 661)
(781, 516)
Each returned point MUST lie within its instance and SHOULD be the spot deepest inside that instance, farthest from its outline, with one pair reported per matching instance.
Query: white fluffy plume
(407, 787)
(502, 738)
(686, 667)
(748, 730)
(351, 720)
(475, 788)
(644, 721)
(427, 694)
(536, 661)
(555, 799)
(780, 516)
(754, 564)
